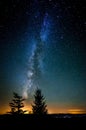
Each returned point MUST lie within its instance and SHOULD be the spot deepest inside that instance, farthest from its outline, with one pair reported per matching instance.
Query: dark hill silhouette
(39, 122)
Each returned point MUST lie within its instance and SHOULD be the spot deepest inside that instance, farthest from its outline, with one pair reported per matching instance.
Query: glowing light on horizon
(77, 111)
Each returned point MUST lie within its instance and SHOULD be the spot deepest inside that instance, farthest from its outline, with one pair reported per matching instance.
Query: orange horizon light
(77, 111)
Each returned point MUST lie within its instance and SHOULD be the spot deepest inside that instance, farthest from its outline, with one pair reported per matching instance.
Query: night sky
(42, 44)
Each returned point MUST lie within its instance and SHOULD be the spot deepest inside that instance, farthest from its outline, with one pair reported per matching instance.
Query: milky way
(43, 44)
(36, 59)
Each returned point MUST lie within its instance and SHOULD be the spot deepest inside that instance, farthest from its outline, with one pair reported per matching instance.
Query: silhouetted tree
(39, 105)
(17, 104)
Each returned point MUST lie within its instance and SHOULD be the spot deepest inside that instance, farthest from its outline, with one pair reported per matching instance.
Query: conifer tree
(39, 105)
(17, 104)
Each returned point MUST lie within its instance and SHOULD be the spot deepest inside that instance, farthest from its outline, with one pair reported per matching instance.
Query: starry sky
(42, 44)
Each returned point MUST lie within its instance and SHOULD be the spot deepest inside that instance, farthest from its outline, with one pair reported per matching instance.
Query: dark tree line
(38, 107)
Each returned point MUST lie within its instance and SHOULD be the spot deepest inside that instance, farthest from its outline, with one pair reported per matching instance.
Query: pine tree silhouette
(39, 105)
(17, 104)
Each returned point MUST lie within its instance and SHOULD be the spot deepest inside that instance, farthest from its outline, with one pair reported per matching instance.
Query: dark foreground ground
(49, 122)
